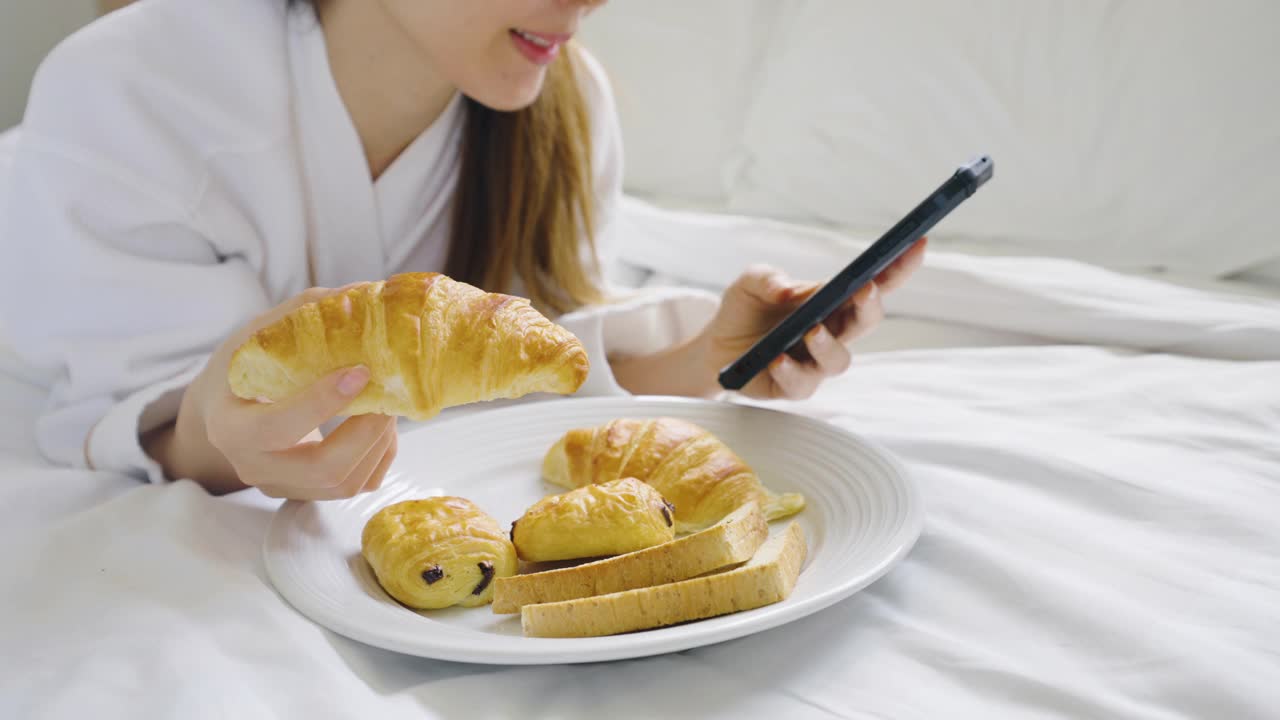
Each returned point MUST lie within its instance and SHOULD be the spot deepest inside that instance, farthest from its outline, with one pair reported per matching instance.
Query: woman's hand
(227, 443)
(757, 301)
(762, 296)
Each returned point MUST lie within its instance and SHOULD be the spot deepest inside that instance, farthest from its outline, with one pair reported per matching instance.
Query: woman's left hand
(762, 296)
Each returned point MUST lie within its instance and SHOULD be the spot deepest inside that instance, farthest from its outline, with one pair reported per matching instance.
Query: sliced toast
(732, 540)
(767, 578)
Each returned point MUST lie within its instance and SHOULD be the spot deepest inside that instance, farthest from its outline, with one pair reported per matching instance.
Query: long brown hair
(524, 203)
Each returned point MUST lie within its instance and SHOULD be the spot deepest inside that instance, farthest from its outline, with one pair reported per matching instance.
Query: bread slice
(767, 578)
(732, 540)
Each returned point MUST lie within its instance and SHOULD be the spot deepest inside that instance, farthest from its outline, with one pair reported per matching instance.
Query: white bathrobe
(183, 166)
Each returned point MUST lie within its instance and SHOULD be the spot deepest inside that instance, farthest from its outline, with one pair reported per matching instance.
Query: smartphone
(789, 333)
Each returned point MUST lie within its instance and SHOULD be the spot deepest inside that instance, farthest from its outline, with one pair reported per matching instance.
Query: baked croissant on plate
(437, 552)
(689, 466)
(594, 521)
(429, 342)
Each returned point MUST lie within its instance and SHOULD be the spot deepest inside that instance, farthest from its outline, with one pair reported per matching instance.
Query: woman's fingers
(863, 312)
(825, 351)
(801, 292)
(363, 472)
(829, 355)
(900, 270)
(279, 426)
(348, 445)
(793, 380)
(865, 309)
(353, 460)
(380, 472)
(765, 284)
(798, 380)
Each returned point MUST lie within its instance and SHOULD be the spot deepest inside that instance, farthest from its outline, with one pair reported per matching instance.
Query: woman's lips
(539, 48)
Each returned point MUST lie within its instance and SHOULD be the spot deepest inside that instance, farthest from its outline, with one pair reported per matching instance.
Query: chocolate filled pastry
(594, 521)
(688, 465)
(437, 553)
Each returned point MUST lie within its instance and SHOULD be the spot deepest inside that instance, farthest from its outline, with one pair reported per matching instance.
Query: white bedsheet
(1101, 542)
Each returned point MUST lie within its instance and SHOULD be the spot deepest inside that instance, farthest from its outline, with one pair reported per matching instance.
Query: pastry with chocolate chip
(437, 552)
(594, 521)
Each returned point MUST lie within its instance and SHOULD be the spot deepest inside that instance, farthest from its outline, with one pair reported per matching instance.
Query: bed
(1100, 541)
(1095, 433)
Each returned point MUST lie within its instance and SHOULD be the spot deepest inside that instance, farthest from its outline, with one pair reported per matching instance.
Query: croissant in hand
(430, 342)
(684, 462)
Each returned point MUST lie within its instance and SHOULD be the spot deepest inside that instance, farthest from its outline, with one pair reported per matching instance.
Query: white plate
(863, 516)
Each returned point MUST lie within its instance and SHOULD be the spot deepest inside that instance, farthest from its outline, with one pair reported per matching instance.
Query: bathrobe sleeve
(634, 322)
(110, 289)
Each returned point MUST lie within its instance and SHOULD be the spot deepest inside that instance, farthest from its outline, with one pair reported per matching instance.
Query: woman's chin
(510, 96)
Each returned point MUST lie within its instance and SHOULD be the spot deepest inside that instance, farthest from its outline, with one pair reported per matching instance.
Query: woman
(191, 170)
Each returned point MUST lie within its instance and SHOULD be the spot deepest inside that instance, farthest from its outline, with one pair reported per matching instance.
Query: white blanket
(1101, 539)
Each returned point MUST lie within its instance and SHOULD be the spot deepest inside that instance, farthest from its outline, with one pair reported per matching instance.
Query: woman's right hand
(226, 443)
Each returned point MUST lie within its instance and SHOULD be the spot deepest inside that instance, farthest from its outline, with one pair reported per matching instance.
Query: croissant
(689, 466)
(594, 521)
(430, 342)
(437, 552)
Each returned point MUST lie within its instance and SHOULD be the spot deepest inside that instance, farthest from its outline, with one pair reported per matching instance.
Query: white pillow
(1266, 274)
(8, 147)
(1133, 134)
(682, 76)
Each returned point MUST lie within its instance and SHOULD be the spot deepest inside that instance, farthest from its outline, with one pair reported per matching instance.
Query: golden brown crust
(689, 466)
(594, 521)
(429, 342)
(437, 552)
